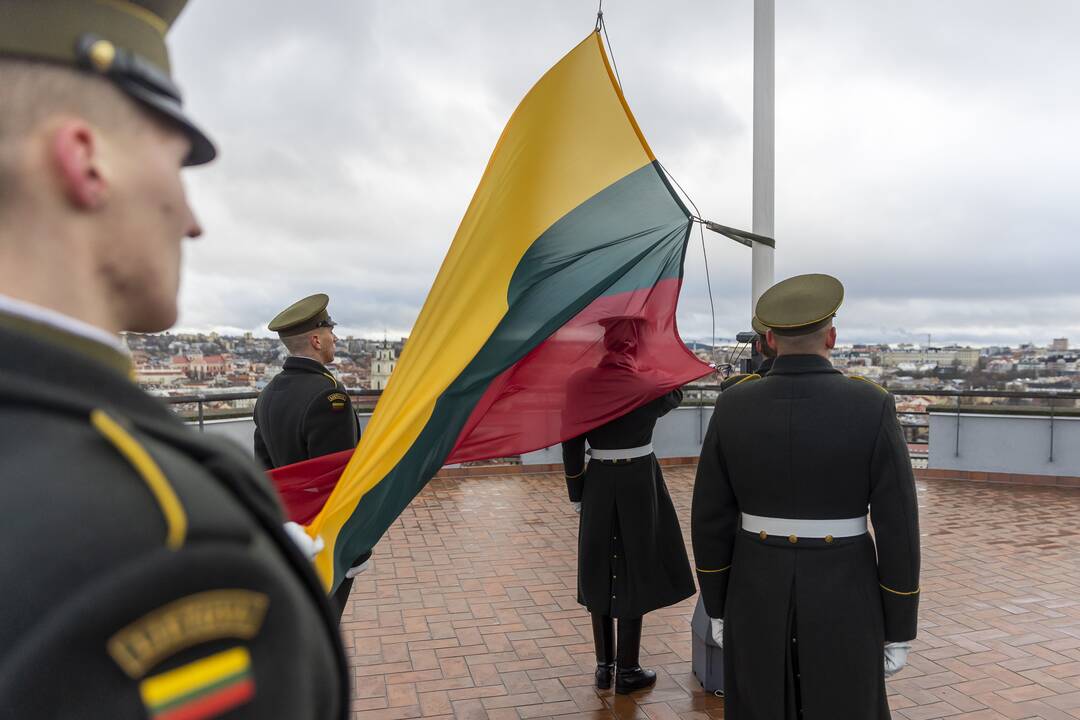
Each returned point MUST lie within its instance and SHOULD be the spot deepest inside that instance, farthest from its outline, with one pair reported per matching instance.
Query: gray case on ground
(708, 656)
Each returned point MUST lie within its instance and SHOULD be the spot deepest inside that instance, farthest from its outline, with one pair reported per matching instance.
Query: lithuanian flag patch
(205, 688)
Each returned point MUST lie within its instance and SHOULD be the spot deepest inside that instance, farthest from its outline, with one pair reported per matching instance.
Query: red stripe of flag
(213, 704)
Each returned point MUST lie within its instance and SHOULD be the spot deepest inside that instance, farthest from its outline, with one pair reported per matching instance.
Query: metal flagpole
(764, 145)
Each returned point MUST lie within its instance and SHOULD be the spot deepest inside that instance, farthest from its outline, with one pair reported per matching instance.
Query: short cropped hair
(32, 91)
(296, 343)
(802, 344)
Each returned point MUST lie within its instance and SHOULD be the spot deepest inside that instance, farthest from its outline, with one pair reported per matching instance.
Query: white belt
(621, 453)
(786, 527)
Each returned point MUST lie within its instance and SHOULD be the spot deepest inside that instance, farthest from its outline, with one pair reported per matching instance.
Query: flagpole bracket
(743, 237)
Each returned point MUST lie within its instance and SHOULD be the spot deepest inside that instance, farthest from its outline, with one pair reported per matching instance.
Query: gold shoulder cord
(151, 474)
(751, 376)
(868, 382)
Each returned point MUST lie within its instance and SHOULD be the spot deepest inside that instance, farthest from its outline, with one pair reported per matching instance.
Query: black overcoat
(132, 547)
(806, 442)
(631, 555)
(304, 412)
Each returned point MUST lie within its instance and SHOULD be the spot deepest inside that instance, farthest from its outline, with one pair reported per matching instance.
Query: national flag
(553, 312)
(206, 688)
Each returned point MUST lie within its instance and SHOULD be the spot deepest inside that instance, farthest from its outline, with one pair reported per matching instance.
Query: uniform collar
(800, 364)
(59, 329)
(49, 372)
(766, 366)
(298, 362)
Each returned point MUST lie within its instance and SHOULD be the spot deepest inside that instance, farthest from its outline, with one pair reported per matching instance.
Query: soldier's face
(328, 341)
(148, 217)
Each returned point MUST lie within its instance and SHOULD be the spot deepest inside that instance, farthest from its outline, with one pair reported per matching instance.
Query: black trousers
(341, 597)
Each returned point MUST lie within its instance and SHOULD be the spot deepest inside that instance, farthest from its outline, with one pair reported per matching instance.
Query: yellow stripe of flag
(571, 137)
(169, 686)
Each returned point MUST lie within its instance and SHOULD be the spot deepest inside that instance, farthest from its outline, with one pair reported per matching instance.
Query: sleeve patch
(203, 689)
(338, 400)
(187, 622)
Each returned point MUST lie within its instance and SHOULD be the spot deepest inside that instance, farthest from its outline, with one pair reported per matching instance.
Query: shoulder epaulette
(868, 382)
(149, 472)
(734, 380)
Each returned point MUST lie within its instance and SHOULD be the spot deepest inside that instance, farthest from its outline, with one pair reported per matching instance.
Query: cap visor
(202, 149)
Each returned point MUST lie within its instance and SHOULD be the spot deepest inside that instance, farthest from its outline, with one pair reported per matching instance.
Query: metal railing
(916, 433)
(1047, 399)
(200, 401)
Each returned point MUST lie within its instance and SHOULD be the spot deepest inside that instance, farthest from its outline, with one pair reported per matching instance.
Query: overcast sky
(925, 151)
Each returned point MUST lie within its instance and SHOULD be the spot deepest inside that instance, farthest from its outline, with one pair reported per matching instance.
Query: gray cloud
(923, 151)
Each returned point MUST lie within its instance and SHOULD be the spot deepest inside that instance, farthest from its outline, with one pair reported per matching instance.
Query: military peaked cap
(303, 316)
(121, 40)
(758, 327)
(800, 305)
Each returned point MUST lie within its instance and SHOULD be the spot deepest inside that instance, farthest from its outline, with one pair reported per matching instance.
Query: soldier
(761, 346)
(631, 556)
(811, 611)
(305, 411)
(145, 568)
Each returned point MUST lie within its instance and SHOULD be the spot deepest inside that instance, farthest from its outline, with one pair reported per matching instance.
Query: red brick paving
(469, 610)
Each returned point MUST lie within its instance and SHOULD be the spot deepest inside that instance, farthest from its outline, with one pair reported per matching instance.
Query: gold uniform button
(763, 535)
(792, 539)
(828, 538)
(101, 55)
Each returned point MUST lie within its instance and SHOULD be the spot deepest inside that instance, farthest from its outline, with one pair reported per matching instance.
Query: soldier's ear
(75, 153)
(770, 338)
(830, 338)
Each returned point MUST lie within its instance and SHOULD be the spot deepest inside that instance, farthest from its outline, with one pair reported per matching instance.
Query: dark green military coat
(806, 442)
(132, 548)
(303, 413)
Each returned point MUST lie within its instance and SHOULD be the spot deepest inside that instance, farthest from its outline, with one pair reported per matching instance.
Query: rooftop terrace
(469, 610)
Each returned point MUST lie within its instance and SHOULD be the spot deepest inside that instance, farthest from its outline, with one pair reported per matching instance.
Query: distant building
(941, 357)
(198, 365)
(1059, 345)
(1030, 364)
(159, 377)
(383, 363)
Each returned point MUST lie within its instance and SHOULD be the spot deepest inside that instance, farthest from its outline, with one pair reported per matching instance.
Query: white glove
(577, 506)
(895, 657)
(308, 545)
(717, 630)
(357, 569)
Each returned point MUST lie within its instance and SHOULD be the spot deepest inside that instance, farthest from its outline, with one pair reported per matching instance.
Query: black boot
(341, 597)
(630, 676)
(603, 632)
